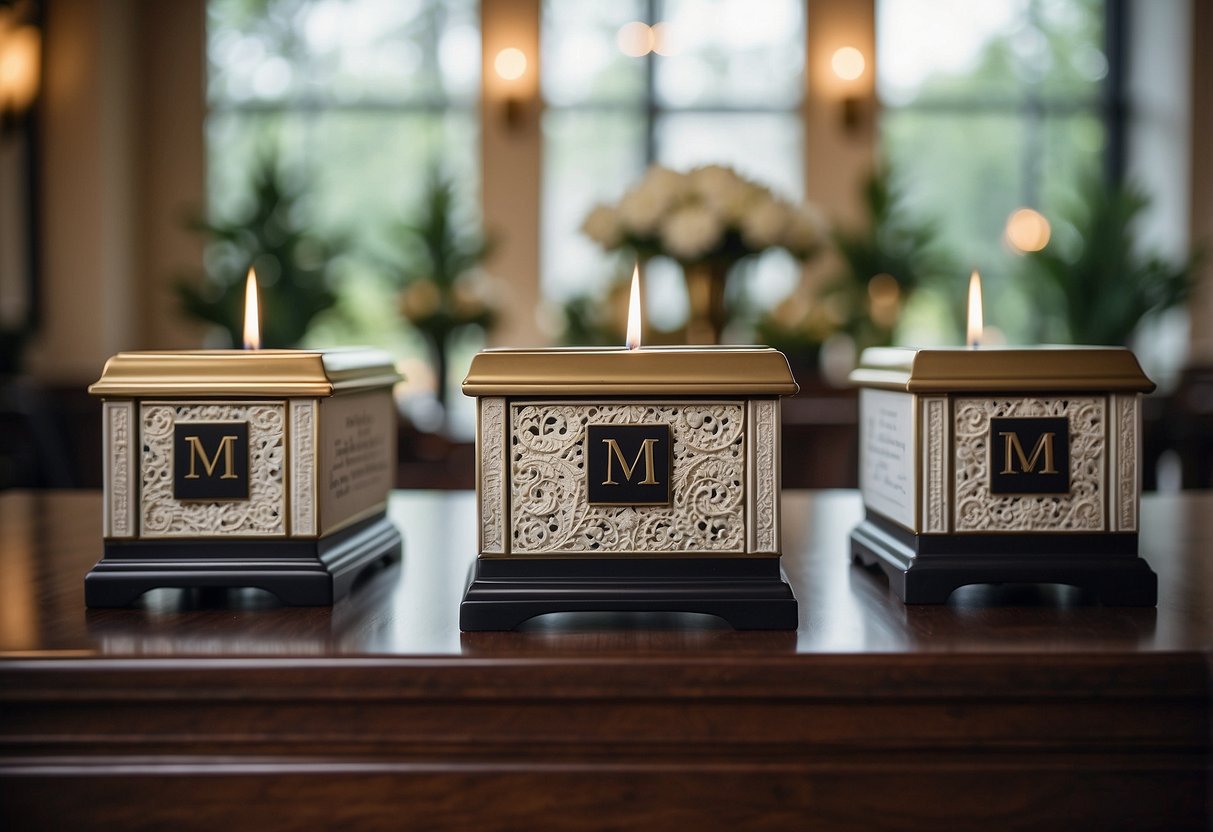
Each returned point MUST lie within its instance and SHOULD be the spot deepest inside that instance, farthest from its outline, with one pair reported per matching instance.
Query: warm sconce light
(20, 56)
(510, 64)
(848, 65)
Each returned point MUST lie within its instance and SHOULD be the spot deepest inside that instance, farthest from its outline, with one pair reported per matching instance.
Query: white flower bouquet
(710, 214)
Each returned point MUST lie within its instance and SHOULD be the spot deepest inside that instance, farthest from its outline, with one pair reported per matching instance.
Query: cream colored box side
(888, 455)
(357, 454)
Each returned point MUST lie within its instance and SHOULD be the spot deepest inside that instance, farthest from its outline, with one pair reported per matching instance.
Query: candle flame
(634, 311)
(252, 314)
(976, 323)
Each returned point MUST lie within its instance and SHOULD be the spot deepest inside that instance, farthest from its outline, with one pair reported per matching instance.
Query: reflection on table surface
(49, 540)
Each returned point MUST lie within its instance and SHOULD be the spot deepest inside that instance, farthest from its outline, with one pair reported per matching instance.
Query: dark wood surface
(1010, 707)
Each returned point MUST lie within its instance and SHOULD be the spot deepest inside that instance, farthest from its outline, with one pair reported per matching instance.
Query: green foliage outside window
(1018, 124)
(291, 261)
(436, 269)
(883, 261)
(1100, 281)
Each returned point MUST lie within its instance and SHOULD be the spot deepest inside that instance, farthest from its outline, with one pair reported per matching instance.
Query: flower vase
(705, 291)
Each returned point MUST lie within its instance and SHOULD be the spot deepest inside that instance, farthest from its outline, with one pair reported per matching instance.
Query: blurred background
(435, 176)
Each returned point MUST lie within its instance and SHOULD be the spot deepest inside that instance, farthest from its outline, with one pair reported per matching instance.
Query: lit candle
(976, 323)
(252, 313)
(633, 337)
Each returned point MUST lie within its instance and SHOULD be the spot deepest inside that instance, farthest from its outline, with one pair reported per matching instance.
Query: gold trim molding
(226, 373)
(649, 371)
(998, 369)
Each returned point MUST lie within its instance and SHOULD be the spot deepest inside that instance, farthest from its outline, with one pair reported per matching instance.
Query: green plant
(796, 328)
(1100, 280)
(587, 324)
(436, 268)
(292, 264)
(884, 261)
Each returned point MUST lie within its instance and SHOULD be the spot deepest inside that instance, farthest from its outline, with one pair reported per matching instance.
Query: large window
(359, 98)
(716, 81)
(990, 107)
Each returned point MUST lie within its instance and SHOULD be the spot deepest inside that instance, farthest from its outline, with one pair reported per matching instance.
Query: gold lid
(999, 369)
(210, 373)
(649, 371)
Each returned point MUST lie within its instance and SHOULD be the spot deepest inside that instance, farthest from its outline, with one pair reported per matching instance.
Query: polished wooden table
(1011, 707)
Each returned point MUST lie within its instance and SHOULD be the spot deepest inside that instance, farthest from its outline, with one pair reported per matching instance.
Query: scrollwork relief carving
(550, 512)
(121, 514)
(936, 462)
(766, 470)
(263, 513)
(492, 475)
(1126, 455)
(1083, 509)
(303, 466)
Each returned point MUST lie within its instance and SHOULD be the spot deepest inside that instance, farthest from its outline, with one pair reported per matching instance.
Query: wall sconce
(510, 65)
(20, 59)
(848, 65)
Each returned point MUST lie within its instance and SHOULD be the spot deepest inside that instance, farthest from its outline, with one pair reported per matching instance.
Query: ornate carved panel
(1083, 509)
(549, 510)
(1127, 452)
(764, 458)
(934, 435)
(303, 466)
(491, 441)
(120, 469)
(263, 514)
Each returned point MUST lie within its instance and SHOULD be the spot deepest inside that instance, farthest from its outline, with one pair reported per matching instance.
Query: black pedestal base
(748, 593)
(302, 573)
(925, 569)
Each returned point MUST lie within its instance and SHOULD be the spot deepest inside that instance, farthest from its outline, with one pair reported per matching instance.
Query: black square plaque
(211, 461)
(628, 465)
(1030, 456)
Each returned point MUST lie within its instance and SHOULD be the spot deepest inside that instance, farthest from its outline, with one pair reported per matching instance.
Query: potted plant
(436, 268)
(884, 261)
